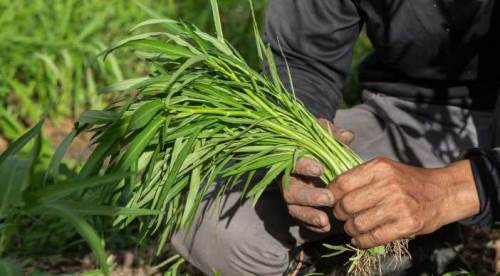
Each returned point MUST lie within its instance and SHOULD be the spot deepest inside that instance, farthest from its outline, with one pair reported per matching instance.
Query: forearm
(461, 200)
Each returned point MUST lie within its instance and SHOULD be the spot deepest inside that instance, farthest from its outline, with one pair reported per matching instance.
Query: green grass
(47, 51)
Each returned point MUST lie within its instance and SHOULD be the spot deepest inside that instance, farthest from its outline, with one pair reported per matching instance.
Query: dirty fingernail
(346, 133)
(317, 222)
(315, 170)
(325, 199)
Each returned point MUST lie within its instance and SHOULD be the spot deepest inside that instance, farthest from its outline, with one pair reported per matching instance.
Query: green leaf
(15, 179)
(84, 229)
(91, 209)
(9, 267)
(220, 45)
(375, 251)
(161, 48)
(194, 187)
(270, 176)
(139, 143)
(261, 162)
(58, 156)
(54, 192)
(217, 22)
(190, 62)
(154, 21)
(183, 150)
(123, 85)
(256, 30)
(336, 250)
(287, 173)
(145, 114)
(20, 143)
(94, 162)
(106, 142)
(148, 10)
(93, 117)
(11, 128)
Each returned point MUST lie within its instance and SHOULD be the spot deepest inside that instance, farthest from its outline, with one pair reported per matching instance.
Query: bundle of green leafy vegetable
(202, 116)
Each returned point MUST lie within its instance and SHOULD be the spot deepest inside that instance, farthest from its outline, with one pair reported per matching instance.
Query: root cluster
(366, 264)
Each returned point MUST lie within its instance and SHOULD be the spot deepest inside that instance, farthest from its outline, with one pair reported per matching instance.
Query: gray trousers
(237, 239)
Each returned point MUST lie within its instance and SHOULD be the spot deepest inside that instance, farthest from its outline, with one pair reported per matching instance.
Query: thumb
(343, 135)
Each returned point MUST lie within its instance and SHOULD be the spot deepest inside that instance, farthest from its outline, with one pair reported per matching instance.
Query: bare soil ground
(481, 254)
(3, 144)
(55, 132)
(481, 251)
(124, 263)
(127, 263)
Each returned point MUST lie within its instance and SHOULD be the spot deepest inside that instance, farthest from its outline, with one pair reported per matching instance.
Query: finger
(340, 214)
(382, 235)
(327, 125)
(299, 193)
(369, 220)
(350, 229)
(311, 217)
(351, 180)
(325, 229)
(364, 174)
(364, 198)
(308, 167)
(343, 135)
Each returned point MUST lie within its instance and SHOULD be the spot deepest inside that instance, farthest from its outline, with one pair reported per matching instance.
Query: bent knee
(257, 258)
(232, 251)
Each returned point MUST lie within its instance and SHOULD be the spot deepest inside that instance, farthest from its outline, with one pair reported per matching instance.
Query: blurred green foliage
(352, 90)
(48, 50)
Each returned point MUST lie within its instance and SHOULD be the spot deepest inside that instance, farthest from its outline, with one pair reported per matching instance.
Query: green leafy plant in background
(9, 267)
(204, 116)
(30, 199)
(46, 50)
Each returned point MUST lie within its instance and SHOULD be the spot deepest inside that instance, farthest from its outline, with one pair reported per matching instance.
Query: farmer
(430, 90)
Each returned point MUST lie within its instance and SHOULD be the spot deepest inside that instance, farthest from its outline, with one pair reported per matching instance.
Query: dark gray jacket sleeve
(486, 170)
(317, 38)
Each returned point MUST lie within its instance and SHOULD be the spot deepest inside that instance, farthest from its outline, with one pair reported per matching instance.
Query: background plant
(48, 54)
(32, 201)
(47, 51)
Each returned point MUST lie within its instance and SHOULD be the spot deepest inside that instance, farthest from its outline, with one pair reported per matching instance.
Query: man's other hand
(382, 201)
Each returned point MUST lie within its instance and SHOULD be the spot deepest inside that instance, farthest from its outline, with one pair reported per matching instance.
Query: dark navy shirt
(437, 51)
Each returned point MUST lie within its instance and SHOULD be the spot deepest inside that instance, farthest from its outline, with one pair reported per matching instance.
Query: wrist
(461, 200)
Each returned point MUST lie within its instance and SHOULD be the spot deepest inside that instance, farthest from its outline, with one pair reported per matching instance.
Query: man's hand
(383, 200)
(305, 192)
